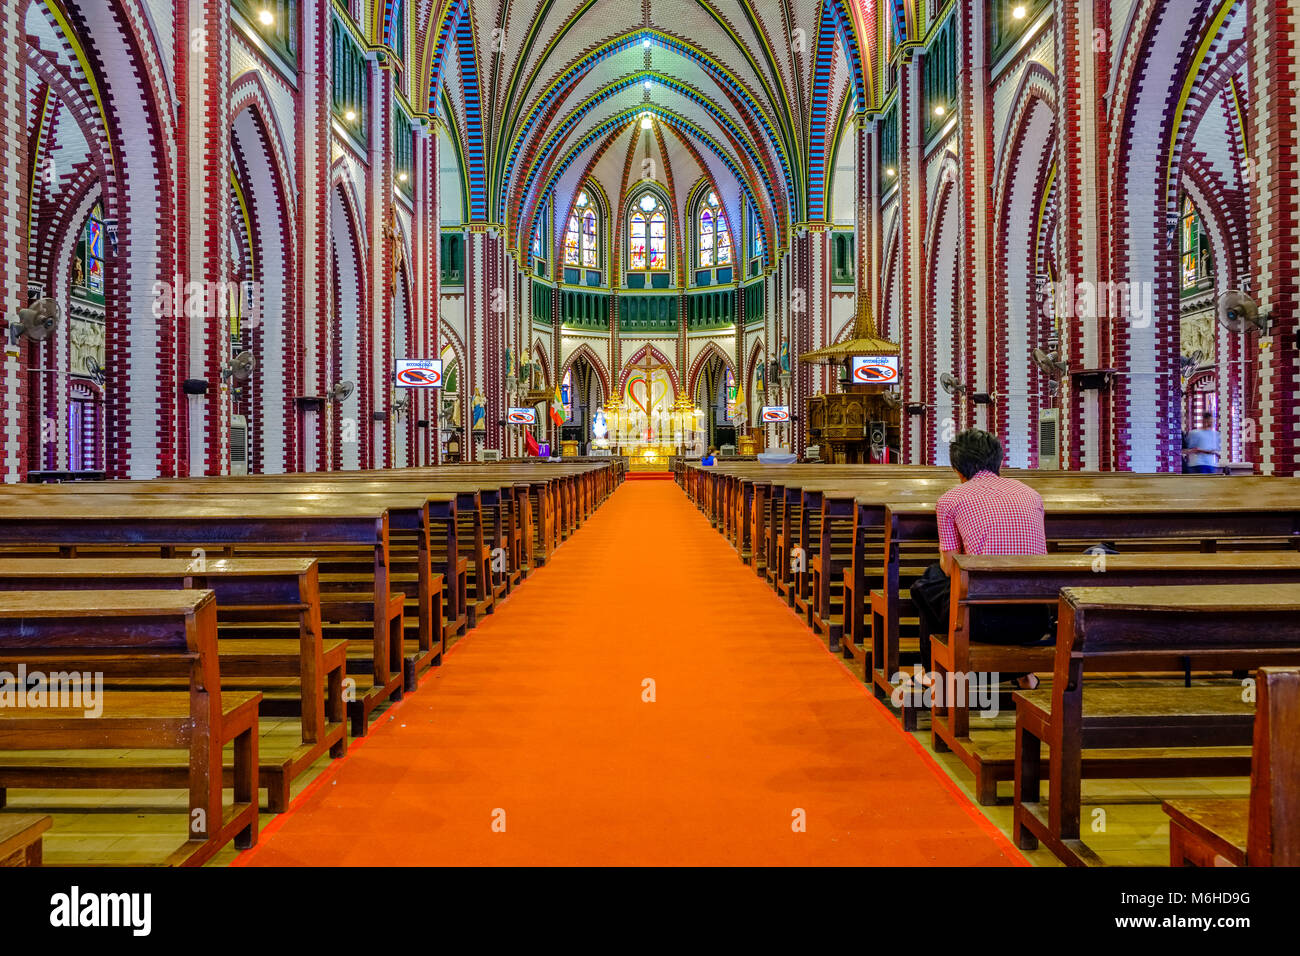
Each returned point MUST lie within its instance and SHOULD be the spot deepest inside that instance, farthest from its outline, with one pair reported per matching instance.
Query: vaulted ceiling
(542, 93)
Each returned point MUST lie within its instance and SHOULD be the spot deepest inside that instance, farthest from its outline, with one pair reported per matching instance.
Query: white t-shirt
(1205, 439)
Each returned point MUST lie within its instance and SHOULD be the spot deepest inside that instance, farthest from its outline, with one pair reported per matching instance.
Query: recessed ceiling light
(265, 17)
(939, 110)
(891, 171)
(646, 43)
(1019, 11)
(647, 84)
(402, 177)
(350, 115)
(646, 122)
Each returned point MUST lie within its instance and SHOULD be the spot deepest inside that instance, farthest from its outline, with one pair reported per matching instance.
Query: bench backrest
(118, 633)
(1273, 834)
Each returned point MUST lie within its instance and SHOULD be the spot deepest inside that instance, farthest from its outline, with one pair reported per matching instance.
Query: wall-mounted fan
(342, 391)
(892, 399)
(951, 385)
(36, 322)
(94, 369)
(400, 403)
(240, 368)
(1238, 312)
(1053, 366)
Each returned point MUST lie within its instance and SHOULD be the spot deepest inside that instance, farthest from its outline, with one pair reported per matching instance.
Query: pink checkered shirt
(991, 515)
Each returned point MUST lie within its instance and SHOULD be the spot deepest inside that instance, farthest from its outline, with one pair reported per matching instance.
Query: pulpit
(853, 427)
(862, 422)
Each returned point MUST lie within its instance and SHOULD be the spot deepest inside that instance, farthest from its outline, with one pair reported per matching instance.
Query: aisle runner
(643, 699)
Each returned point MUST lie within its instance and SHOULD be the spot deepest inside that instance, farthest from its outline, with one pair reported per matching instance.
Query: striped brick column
(380, 227)
(13, 227)
(203, 190)
(313, 135)
(1273, 40)
(425, 276)
(1083, 70)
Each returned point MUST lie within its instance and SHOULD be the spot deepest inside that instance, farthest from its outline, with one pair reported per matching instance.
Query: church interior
(463, 433)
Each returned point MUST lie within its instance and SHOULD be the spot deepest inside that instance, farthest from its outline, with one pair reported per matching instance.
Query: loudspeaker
(195, 386)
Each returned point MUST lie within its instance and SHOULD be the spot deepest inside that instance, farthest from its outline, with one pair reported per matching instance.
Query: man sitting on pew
(984, 515)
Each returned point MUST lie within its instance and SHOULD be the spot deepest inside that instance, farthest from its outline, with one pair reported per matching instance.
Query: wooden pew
(1078, 516)
(20, 838)
(1264, 828)
(127, 634)
(249, 525)
(983, 582)
(1140, 630)
(255, 598)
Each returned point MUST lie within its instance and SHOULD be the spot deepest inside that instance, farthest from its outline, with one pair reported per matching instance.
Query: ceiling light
(1019, 11)
(891, 171)
(646, 122)
(939, 110)
(350, 115)
(647, 84)
(402, 177)
(646, 43)
(265, 17)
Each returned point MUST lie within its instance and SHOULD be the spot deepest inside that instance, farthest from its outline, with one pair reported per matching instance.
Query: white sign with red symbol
(774, 413)
(419, 373)
(875, 370)
(522, 416)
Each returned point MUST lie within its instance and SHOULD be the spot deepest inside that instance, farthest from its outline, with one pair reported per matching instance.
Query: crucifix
(647, 369)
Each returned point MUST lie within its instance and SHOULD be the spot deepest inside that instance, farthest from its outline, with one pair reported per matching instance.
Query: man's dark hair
(973, 451)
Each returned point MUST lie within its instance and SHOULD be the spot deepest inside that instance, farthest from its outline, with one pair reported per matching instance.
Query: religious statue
(785, 358)
(760, 378)
(393, 234)
(510, 368)
(599, 427)
(478, 415)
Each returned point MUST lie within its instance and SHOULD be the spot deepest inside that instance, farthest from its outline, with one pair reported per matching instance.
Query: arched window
(539, 235)
(1197, 267)
(583, 235)
(648, 235)
(93, 270)
(712, 237)
(755, 235)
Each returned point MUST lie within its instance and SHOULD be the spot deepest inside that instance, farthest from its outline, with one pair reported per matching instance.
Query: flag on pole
(530, 443)
(557, 406)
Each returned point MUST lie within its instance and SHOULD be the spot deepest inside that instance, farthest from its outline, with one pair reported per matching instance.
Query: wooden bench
(252, 525)
(129, 634)
(1154, 731)
(1076, 517)
(20, 838)
(983, 582)
(1264, 828)
(269, 630)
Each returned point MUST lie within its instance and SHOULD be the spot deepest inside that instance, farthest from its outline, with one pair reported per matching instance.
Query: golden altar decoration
(649, 430)
(841, 423)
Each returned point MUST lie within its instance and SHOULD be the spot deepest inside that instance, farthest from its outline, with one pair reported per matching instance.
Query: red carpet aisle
(537, 722)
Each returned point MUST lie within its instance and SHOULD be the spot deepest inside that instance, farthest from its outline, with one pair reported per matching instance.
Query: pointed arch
(586, 353)
(710, 350)
(348, 344)
(260, 168)
(657, 357)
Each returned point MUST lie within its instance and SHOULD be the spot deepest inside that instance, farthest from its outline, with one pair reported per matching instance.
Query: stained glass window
(712, 237)
(648, 236)
(731, 394)
(755, 236)
(1195, 251)
(583, 234)
(539, 232)
(95, 250)
(566, 394)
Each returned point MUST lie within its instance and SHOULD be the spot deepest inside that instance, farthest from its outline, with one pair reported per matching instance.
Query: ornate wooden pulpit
(862, 422)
